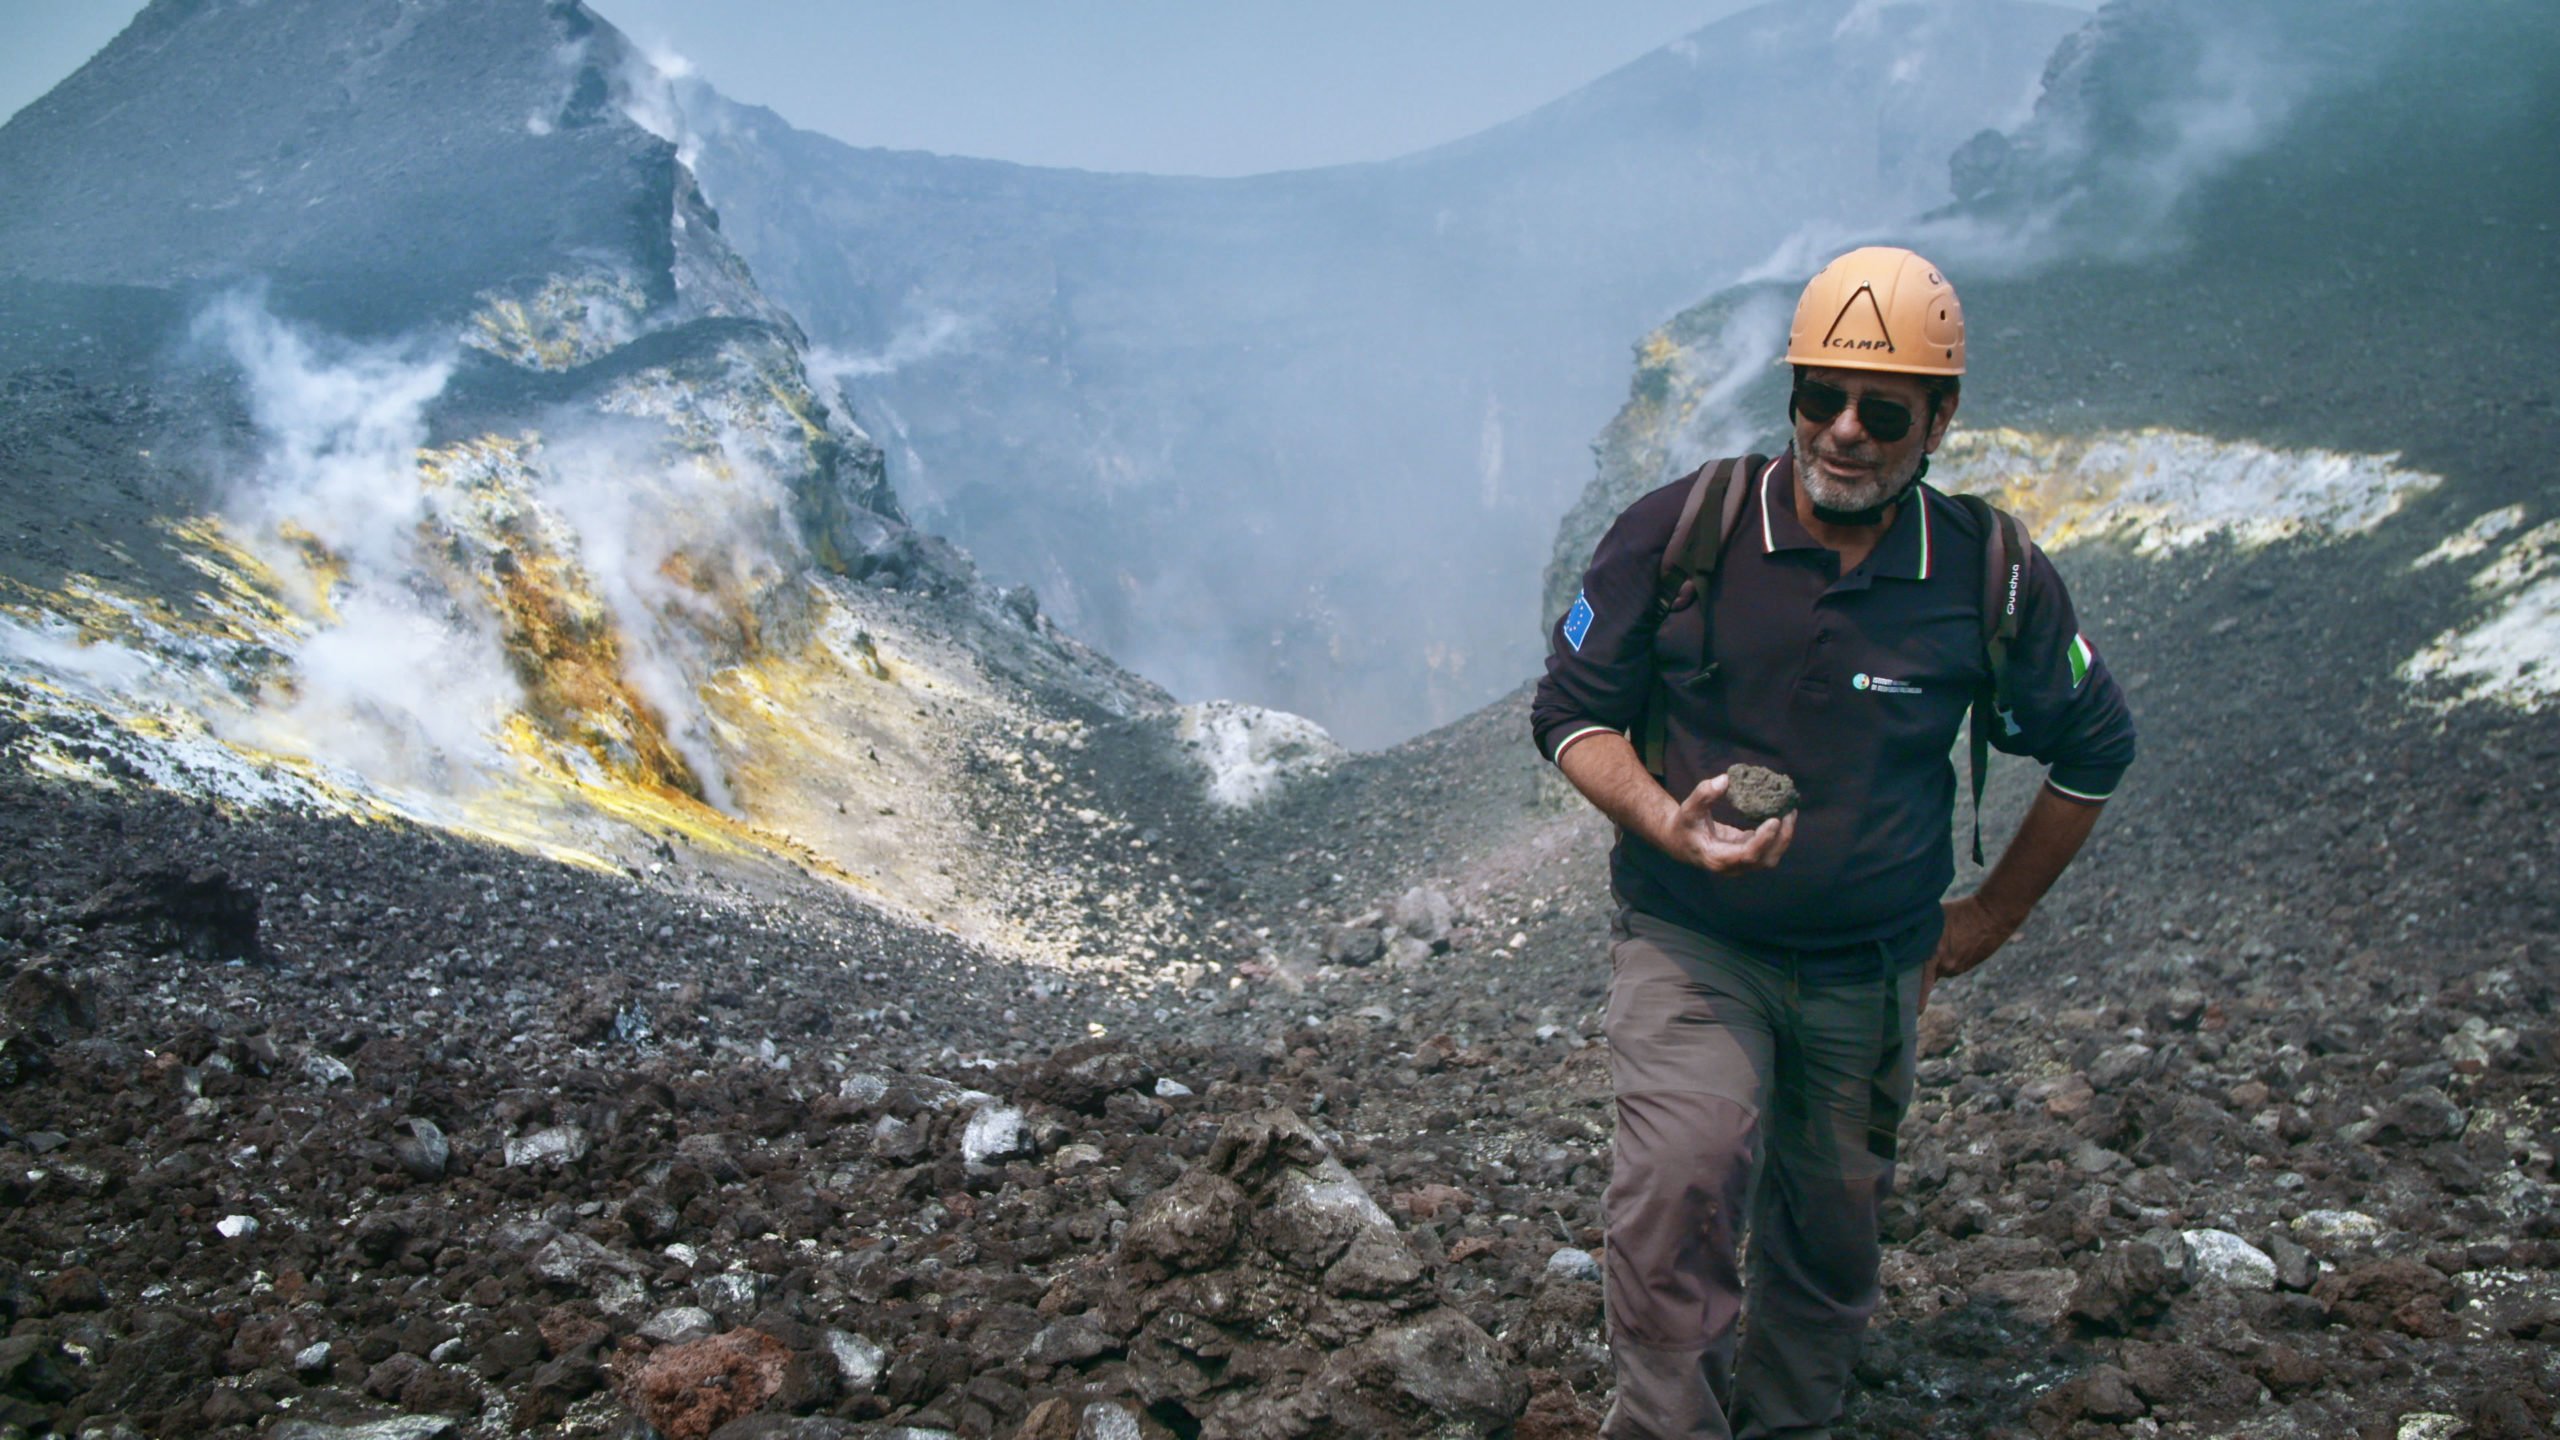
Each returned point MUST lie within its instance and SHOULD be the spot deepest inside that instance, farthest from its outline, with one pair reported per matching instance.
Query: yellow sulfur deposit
(2166, 490)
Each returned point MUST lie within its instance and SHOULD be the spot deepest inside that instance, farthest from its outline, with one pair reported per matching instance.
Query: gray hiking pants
(1733, 1073)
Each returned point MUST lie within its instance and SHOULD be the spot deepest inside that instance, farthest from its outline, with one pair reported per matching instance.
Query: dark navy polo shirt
(1857, 685)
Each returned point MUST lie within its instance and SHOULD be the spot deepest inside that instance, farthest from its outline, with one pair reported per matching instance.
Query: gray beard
(1859, 505)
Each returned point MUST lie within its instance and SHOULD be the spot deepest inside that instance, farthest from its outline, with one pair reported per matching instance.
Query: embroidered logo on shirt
(1883, 686)
(1577, 622)
(2081, 655)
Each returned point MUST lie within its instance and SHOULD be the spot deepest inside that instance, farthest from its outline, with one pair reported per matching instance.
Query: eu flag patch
(1577, 622)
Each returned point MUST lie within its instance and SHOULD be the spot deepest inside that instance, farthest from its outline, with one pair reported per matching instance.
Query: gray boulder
(1425, 914)
(2219, 1257)
(1354, 945)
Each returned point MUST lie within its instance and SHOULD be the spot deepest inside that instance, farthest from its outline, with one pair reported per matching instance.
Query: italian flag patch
(2080, 657)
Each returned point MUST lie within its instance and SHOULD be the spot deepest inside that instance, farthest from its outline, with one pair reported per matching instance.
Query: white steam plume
(634, 504)
(649, 81)
(938, 334)
(2242, 93)
(406, 681)
(405, 687)
(1722, 368)
(341, 424)
(98, 668)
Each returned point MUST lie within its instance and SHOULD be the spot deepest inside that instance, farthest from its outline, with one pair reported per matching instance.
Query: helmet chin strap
(1872, 515)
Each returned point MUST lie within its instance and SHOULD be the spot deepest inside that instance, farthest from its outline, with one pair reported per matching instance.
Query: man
(1766, 981)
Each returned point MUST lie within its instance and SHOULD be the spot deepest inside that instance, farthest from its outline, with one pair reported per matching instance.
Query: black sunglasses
(1886, 420)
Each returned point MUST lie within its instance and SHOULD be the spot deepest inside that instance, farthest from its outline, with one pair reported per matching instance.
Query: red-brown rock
(687, 1391)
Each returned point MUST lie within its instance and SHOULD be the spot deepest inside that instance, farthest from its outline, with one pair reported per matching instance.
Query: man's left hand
(1972, 933)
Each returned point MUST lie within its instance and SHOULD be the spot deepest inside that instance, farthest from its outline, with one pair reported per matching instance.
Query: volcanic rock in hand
(1757, 794)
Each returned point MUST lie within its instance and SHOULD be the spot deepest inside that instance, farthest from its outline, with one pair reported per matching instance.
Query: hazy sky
(1206, 87)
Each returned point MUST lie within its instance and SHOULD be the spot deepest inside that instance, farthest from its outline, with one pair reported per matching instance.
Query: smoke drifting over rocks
(2155, 98)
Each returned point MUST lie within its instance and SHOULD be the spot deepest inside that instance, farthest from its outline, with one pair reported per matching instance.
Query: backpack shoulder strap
(1718, 490)
(1716, 494)
(2007, 547)
(1746, 472)
(2006, 550)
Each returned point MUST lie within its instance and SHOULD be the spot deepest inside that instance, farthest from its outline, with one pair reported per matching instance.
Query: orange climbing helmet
(1880, 308)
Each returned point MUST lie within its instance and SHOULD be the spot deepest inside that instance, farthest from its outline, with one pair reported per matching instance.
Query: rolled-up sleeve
(1600, 650)
(2062, 704)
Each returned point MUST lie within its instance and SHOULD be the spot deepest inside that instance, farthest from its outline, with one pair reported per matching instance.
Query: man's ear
(1941, 415)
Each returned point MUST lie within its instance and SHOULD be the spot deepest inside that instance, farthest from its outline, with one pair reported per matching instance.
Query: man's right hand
(1710, 844)
(1603, 766)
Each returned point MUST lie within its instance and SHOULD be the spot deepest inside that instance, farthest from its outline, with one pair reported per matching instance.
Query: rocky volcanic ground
(340, 1131)
(326, 1129)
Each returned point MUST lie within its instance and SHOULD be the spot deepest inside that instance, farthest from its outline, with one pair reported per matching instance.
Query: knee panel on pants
(1681, 1141)
(1679, 1180)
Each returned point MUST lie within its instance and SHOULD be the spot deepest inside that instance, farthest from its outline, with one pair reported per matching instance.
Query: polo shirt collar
(1903, 553)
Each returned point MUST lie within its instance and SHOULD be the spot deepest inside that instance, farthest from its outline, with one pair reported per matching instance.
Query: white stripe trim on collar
(1768, 537)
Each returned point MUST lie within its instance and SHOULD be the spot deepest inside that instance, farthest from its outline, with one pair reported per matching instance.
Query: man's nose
(1845, 428)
